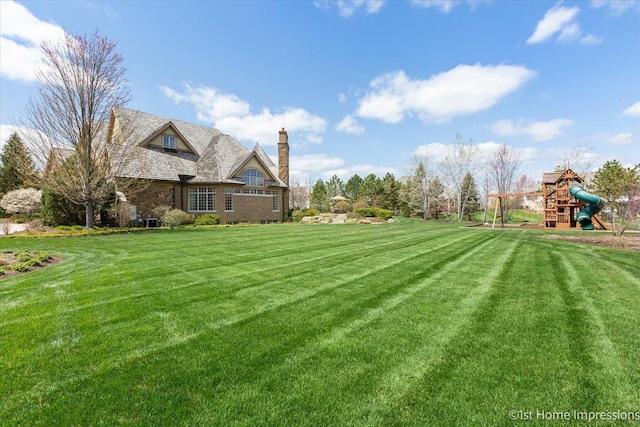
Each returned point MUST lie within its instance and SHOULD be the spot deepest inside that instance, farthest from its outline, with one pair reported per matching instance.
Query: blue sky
(363, 86)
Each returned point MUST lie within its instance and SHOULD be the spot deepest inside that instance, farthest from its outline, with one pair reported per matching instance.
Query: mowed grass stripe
(243, 315)
(399, 382)
(604, 376)
(615, 299)
(394, 307)
(255, 326)
(501, 360)
(46, 326)
(203, 256)
(162, 281)
(447, 327)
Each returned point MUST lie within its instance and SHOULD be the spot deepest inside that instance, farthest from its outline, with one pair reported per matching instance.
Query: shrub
(359, 205)
(208, 219)
(342, 207)
(382, 213)
(374, 212)
(177, 217)
(5, 225)
(57, 210)
(365, 211)
(160, 211)
(121, 214)
(35, 225)
(26, 201)
(297, 215)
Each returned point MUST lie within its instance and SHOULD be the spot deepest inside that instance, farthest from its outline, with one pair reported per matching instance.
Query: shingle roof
(551, 177)
(216, 156)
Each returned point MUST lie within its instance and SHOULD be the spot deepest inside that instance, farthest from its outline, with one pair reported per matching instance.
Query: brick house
(200, 170)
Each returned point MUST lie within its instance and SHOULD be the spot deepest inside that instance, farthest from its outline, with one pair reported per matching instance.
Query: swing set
(563, 196)
(501, 200)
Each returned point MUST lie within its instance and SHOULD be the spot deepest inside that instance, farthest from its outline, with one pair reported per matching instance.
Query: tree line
(456, 185)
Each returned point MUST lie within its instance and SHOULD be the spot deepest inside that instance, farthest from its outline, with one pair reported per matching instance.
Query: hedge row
(374, 212)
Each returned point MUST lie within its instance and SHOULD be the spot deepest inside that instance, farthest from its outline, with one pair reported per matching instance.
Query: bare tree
(455, 166)
(524, 184)
(81, 81)
(485, 189)
(578, 158)
(503, 169)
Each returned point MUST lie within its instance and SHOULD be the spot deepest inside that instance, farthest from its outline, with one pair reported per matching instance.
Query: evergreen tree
(436, 190)
(335, 186)
(621, 187)
(471, 200)
(353, 188)
(320, 196)
(17, 169)
(372, 189)
(390, 198)
(613, 181)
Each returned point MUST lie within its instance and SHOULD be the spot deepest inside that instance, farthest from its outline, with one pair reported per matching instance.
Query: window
(253, 177)
(252, 191)
(169, 141)
(228, 199)
(202, 199)
(275, 200)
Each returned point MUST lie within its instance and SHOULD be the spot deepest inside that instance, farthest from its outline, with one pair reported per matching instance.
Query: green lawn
(409, 323)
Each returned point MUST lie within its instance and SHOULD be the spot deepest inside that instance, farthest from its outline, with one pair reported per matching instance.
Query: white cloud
(633, 110)
(232, 114)
(347, 8)
(556, 19)
(361, 169)
(444, 5)
(5, 133)
(436, 152)
(465, 89)
(616, 7)
(210, 105)
(342, 98)
(349, 125)
(591, 40)
(616, 139)
(315, 162)
(20, 36)
(536, 131)
(562, 21)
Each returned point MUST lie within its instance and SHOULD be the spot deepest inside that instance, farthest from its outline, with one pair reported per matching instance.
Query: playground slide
(594, 205)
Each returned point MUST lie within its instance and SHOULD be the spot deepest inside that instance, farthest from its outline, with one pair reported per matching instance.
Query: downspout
(184, 179)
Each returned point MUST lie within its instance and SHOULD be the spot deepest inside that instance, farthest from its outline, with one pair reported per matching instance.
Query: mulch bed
(9, 258)
(626, 241)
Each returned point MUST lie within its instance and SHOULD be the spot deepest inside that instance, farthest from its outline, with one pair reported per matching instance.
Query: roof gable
(248, 162)
(555, 177)
(207, 155)
(170, 129)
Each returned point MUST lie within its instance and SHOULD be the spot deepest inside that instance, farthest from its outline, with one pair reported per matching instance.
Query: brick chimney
(283, 169)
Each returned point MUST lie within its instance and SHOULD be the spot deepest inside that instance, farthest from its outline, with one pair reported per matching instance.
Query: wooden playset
(566, 203)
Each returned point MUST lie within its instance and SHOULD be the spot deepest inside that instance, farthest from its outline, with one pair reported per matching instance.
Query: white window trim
(167, 140)
(213, 198)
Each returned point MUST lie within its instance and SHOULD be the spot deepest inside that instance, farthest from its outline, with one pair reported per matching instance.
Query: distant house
(200, 170)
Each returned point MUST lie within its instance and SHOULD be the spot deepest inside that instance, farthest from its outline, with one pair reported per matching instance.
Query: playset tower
(567, 204)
